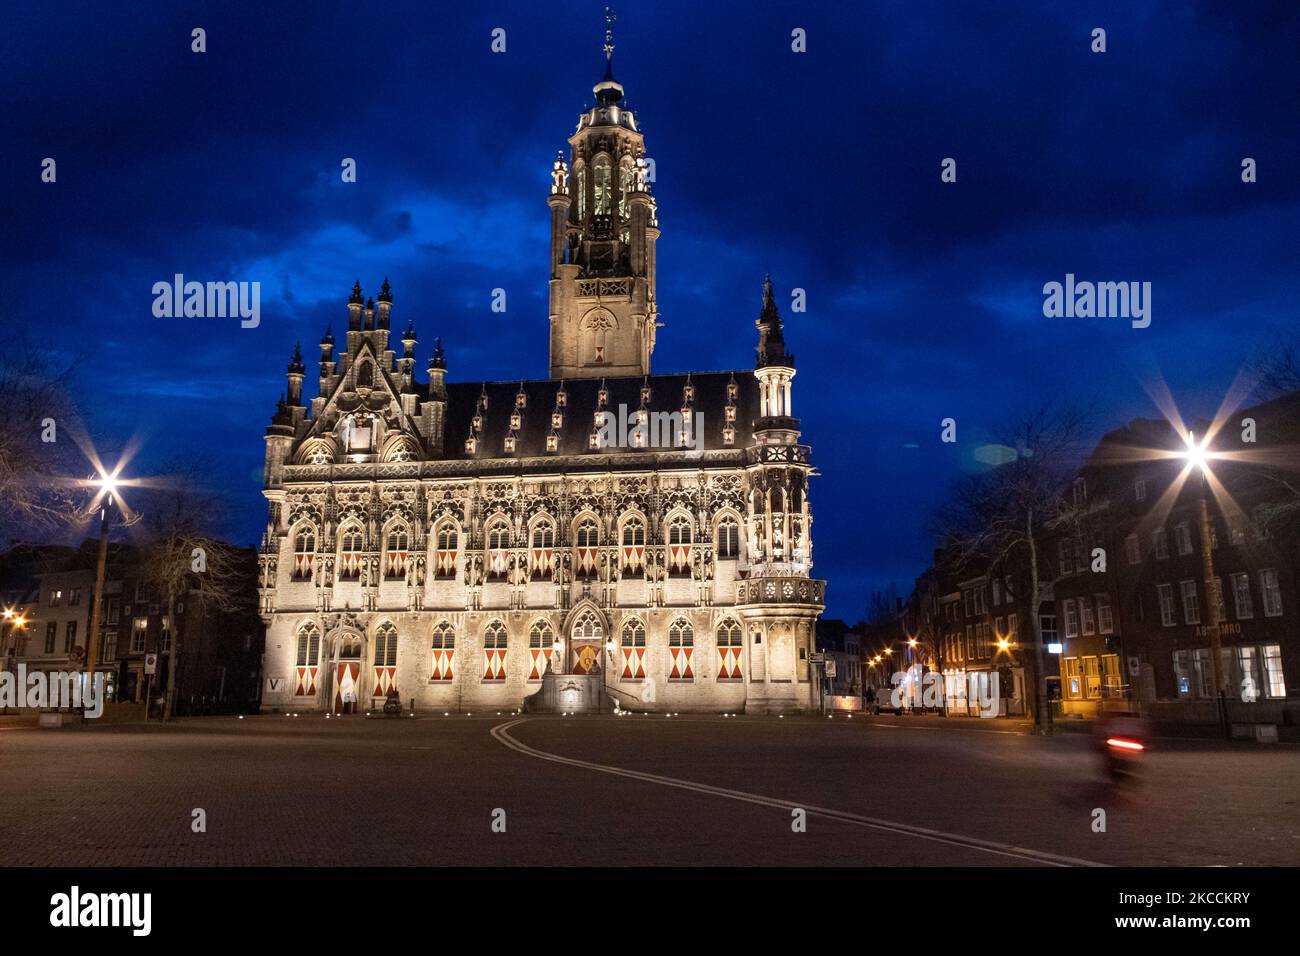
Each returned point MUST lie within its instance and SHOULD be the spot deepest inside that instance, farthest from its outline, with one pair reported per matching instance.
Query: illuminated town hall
(456, 545)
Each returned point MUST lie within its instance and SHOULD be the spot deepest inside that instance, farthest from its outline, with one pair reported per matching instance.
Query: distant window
(1140, 490)
(1241, 596)
(1268, 585)
(1183, 538)
(1160, 544)
(1191, 606)
(1165, 594)
(1133, 548)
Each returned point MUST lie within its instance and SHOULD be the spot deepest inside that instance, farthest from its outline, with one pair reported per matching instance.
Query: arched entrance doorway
(586, 641)
(347, 672)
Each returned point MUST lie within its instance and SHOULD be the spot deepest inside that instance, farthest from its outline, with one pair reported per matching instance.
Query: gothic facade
(452, 541)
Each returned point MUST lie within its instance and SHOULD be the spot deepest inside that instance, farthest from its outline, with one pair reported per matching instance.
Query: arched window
(543, 556)
(633, 545)
(395, 558)
(498, 542)
(365, 375)
(385, 662)
(582, 193)
(445, 552)
(350, 548)
(308, 661)
(444, 651)
(632, 644)
(587, 540)
(681, 647)
(304, 552)
(679, 545)
(541, 644)
(624, 186)
(728, 539)
(602, 193)
(494, 652)
(729, 647)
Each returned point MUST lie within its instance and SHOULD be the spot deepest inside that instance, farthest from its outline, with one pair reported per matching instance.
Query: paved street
(627, 791)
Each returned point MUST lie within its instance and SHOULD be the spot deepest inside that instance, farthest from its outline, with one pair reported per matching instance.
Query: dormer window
(688, 394)
(728, 435)
(602, 397)
(557, 419)
(477, 423)
(516, 420)
(521, 399)
(732, 390)
(561, 399)
(645, 394)
(552, 442)
(510, 443)
(730, 413)
(471, 445)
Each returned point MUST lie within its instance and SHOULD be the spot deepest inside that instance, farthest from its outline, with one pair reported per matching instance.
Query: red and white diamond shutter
(587, 541)
(350, 544)
(541, 640)
(395, 557)
(443, 651)
(633, 546)
(304, 554)
(729, 647)
(633, 646)
(308, 661)
(445, 553)
(494, 652)
(679, 545)
(543, 552)
(498, 538)
(681, 645)
(385, 660)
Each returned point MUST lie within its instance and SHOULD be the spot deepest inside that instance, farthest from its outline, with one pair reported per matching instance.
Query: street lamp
(604, 679)
(17, 622)
(107, 485)
(1197, 455)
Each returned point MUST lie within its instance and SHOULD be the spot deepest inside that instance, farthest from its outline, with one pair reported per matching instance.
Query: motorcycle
(1122, 740)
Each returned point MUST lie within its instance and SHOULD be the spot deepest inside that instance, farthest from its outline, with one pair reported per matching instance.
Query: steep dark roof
(579, 413)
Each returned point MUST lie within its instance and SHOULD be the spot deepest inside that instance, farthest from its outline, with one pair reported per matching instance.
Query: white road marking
(501, 733)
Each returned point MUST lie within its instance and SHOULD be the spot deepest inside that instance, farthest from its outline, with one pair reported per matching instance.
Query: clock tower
(603, 231)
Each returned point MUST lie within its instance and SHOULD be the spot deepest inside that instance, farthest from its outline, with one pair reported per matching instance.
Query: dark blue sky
(924, 298)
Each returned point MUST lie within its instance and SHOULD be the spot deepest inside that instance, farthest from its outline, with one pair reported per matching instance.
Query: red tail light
(1123, 743)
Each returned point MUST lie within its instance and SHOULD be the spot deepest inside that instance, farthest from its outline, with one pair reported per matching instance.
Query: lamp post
(107, 485)
(17, 622)
(604, 679)
(1197, 457)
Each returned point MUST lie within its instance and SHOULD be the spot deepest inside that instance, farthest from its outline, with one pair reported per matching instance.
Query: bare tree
(1001, 519)
(37, 451)
(1276, 367)
(185, 559)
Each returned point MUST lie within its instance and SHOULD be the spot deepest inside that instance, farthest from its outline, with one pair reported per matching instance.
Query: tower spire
(610, 17)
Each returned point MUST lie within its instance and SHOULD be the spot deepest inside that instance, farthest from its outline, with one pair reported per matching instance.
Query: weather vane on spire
(609, 33)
